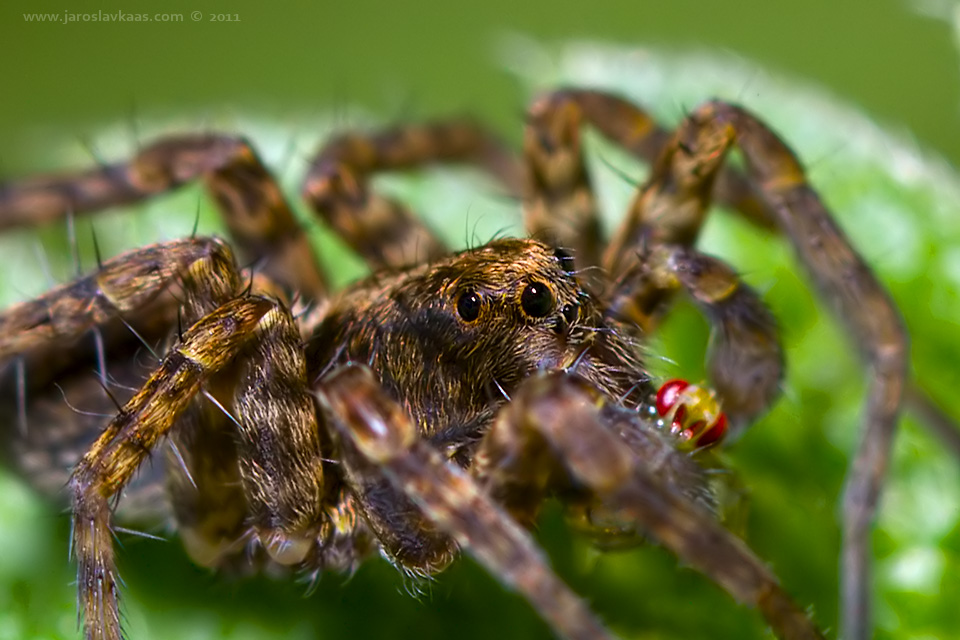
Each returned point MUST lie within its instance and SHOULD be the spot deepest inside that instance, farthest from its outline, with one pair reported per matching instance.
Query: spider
(434, 406)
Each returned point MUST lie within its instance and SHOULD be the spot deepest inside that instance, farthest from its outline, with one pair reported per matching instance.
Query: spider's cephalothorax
(434, 406)
(453, 339)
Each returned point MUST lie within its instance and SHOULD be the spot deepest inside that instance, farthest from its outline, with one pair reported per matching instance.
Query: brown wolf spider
(435, 405)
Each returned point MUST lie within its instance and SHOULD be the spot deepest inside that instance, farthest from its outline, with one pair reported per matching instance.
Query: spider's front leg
(129, 439)
(856, 296)
(130, 301)
(278, 446)
(774, 193)
(374, 428)
(555, 435)
(560, 434)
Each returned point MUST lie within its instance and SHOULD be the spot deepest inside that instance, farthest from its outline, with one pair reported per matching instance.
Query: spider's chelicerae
(434, 406)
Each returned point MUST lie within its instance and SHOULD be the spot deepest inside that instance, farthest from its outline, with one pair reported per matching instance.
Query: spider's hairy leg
(733, 190)
(224, 490)
(278, 443)
(745, 361)
(383, 231)
(122, 285)
(376, 428)
(559, 202)
(257, 469)
(871, 317)
(628, 125)
(111, 462)
(259, 219)
(412, 542)
(277, 447)
(673, 204)
(247, 465)
(670, 209)
(203, 485)
(132, 297)
(559, 434)
(559, 206)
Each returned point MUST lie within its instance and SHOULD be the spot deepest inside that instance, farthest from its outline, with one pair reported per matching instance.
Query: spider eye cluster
(536, 300)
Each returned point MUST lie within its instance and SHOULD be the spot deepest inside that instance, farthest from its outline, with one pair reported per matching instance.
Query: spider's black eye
(565, 260)
(536, 300)
(468, 305)
(570, 313)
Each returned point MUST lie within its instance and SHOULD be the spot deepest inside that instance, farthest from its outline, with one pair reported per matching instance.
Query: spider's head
(452, 339)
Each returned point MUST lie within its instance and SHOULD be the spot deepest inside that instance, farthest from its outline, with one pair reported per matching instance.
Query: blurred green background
(70, 88)
(436, 56)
